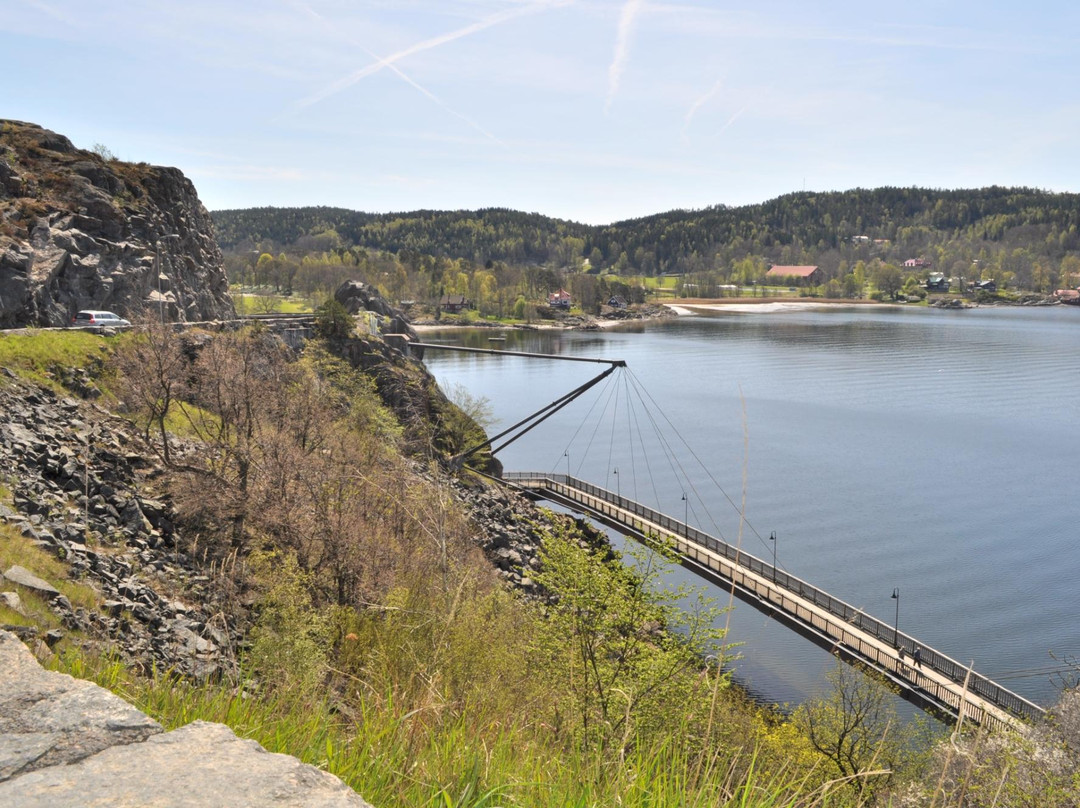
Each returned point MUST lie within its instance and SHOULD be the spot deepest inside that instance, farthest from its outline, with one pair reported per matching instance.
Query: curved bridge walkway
(939, 684)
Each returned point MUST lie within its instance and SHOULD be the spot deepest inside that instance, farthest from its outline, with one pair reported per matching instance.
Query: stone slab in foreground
(201, 764)
(68, 742)
(49, 718)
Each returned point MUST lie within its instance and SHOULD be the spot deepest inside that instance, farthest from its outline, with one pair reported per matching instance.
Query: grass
(18, 549)
(397, 757)
(261, 302)
(655, 282)
(180, 419)
(34, 355)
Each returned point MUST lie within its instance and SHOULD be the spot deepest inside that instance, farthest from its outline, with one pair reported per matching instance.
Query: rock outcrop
(357, 296)
(64, 741)
(78, 231)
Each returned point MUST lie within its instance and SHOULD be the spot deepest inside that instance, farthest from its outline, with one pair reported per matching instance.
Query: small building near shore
(560, 300)
(453, 304)
(802, 275)
(937, 282)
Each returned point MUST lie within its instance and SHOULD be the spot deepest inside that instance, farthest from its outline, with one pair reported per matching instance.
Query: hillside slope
(893, 224)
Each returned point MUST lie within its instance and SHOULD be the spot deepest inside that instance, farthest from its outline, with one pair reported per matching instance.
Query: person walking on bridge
(917, 656)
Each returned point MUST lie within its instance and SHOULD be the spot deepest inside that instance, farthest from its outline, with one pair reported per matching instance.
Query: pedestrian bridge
(938, 684)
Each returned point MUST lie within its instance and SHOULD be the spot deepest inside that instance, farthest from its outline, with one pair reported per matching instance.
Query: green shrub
(333, 321)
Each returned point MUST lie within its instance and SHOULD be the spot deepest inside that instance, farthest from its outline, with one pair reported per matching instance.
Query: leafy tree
(267, 304)
(333, 321)
(103, 151)
(623, 645)
(289, 642)
(887, 279)
(856, 727)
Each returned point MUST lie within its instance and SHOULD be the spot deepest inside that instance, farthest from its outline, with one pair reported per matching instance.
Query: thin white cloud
(629, 12)
(443, 104)
(731, 120)
(699, 20)
(487, 22)
(407, 79)
(250, 172)
(699, 102)
(49, 11)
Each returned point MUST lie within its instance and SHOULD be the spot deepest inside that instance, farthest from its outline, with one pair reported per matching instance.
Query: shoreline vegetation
(690, 307)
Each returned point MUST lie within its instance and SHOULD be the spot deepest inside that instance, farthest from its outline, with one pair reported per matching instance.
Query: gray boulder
(23, 577)
(49, 718)
(199, 764)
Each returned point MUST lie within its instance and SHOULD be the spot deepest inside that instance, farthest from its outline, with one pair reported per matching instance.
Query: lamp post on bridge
(618, 486)
(772, 538)
(685, 511)
(896, 621)
(566, 454)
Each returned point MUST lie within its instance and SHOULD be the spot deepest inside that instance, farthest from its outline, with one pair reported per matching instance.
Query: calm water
(927, 450)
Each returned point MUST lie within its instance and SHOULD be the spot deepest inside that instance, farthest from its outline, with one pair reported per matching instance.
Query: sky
(590, 110)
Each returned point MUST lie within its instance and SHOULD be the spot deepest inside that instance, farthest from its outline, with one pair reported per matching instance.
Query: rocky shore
(607, 318)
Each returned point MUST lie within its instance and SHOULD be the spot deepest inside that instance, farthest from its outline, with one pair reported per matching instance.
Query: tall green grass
(37, 354)
(399, 757)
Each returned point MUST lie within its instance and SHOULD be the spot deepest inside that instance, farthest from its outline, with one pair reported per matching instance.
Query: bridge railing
(976, 683)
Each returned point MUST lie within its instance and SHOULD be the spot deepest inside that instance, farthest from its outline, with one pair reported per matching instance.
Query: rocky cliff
(80, 231)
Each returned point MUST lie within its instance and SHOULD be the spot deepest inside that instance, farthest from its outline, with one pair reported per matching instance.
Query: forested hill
(492, 233)
(804, 227)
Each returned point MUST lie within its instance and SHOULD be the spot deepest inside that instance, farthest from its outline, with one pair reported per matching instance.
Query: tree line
(1022, 237)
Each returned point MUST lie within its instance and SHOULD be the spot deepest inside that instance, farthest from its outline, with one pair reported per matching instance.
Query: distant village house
(937, 282)
(917, 263)
(804, 275)
(453, 304)
(560, 300)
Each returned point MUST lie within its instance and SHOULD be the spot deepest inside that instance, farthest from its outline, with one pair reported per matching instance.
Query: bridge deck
(939, 684)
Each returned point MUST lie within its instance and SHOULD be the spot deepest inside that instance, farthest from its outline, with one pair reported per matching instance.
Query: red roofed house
(559, 300)
(1070, 296)
(807, 276)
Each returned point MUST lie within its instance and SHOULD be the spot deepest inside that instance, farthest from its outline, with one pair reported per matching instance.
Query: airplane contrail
(622, 48)
(700, 102)
(407, 79)
(732, 120)
(427, 44)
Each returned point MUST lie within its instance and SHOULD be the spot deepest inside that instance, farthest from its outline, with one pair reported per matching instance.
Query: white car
(98, 319)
